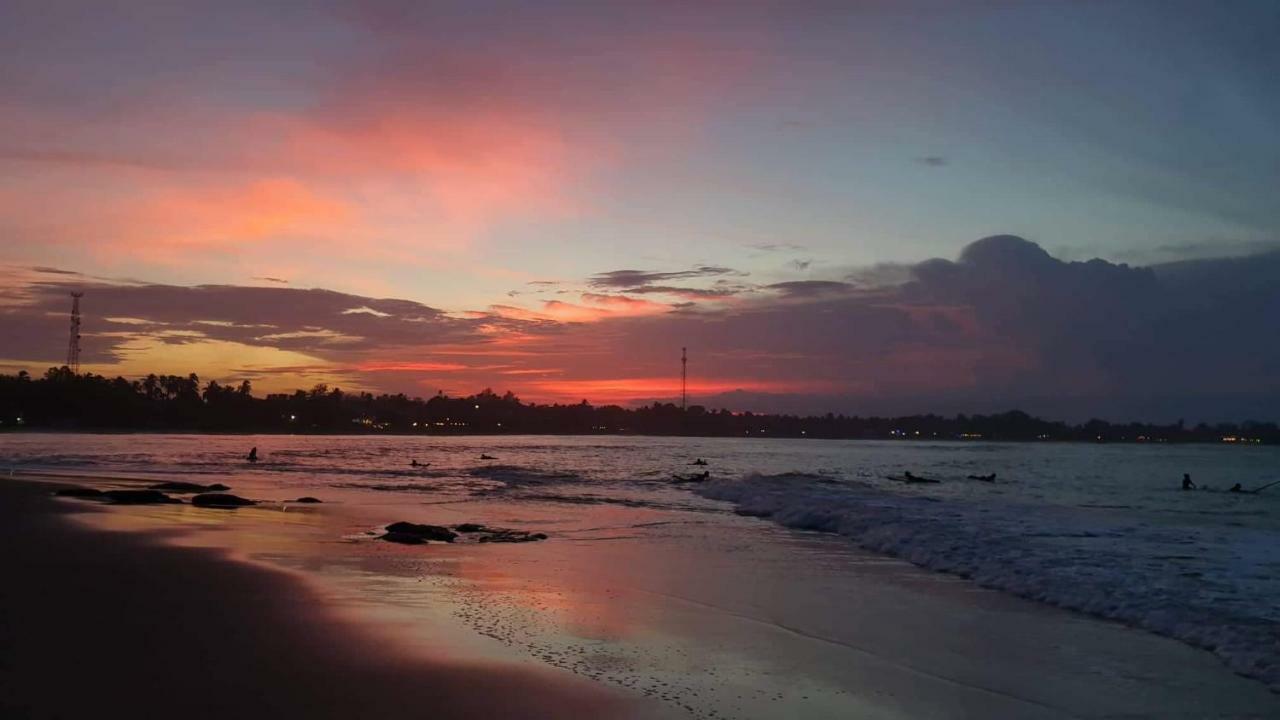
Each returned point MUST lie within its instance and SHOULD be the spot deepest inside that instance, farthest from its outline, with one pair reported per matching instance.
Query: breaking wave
(1215, 590)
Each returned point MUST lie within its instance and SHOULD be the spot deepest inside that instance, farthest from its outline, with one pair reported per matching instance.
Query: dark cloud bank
(1005, 325)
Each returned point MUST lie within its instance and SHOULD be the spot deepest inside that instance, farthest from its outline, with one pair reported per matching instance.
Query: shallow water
(1098, 528)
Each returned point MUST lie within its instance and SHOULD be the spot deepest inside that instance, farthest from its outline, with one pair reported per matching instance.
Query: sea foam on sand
(1213, 589)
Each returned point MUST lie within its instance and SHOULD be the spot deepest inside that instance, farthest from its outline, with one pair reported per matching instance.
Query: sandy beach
(96, 624)
(285, 610)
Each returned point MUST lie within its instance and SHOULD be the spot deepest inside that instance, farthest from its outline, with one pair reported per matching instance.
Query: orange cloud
(620, 307)
(264, 208)
(405, 145)
(386, 178)
(429, 177)
(145, 217)
(623, 305)
(596, 307)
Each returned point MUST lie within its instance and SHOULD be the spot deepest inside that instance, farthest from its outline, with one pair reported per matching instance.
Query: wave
(1212, 590)
(520, 476)
(610, 500)
(390, 487)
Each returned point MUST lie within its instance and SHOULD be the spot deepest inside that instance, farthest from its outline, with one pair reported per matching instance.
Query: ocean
(1100, 529)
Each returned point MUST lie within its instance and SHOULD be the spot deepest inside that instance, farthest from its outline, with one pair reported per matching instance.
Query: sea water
(1102, 529)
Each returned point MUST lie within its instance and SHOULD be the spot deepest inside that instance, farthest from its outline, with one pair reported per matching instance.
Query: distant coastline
(63, 401)
(9, 429)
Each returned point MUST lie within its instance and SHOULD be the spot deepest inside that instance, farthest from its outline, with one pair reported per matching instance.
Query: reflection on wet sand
(131, 624)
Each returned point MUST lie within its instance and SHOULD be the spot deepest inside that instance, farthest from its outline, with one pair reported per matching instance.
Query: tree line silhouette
(64, 400)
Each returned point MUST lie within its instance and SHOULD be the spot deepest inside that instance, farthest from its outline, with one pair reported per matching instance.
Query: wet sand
(98, 624)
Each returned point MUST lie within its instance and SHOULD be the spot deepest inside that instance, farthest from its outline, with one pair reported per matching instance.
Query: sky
(861, 207)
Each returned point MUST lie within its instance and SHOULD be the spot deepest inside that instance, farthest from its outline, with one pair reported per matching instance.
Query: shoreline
(736, 634)
(96, 620)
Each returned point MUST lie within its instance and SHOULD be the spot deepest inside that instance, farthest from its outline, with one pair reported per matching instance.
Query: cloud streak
(631, 279)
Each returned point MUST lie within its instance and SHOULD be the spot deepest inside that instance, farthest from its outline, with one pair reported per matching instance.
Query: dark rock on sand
(414, 534)
(423, 532)
(138, 497)
(488, 534)
(404, 538)
(220, 500)
(187, 487)
(119, 497)
(510, 536)
(307, 499)
(79, 492)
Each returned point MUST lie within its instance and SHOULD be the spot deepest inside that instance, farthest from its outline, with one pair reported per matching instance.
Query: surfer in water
(253, 455)
(699, 461)
(1188, 485)
(696, 477)
(908, 477)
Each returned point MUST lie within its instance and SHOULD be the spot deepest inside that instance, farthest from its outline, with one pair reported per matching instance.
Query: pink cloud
(406, 153)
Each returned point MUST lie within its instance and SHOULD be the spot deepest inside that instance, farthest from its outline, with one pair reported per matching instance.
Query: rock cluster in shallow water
(118, 497)
(210, 495)
(220, 500)
(407, 533)
(79, 492)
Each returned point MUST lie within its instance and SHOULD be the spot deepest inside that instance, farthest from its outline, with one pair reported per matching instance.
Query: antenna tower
(684, 378)
(73, 344)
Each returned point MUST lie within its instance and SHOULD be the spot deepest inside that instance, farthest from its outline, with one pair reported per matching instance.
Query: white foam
(1214, 588)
